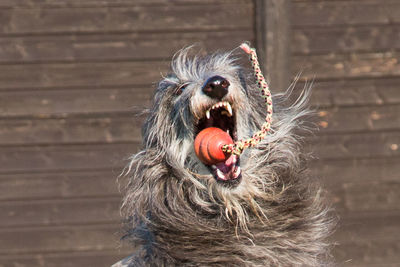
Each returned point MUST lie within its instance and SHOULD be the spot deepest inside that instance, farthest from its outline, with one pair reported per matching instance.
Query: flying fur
(177, 214)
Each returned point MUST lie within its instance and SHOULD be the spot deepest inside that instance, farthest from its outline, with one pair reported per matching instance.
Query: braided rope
(238, 147)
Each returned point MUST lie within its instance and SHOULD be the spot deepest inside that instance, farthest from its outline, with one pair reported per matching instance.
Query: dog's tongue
(226, 166)
(228, 170)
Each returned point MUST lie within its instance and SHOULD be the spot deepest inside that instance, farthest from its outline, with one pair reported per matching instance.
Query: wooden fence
(74, 76)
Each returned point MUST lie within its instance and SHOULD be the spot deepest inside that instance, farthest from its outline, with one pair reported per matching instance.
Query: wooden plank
(63, 102)
(369, 240)
(27, 186)
(329, 13)
(59, 239)
(348, 92)
(60, 212)
(356, 145)
(81, 74)
(68, 259)
(67, 130)
(112, 47)
(332, 66)
(368, 254)
(369, 197)
(337, 172)
(365, 38)
(97, 3)
(366, 118)
(60, 158)
(125, 19)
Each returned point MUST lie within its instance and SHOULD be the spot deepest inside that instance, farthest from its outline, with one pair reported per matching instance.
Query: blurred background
(75, 73)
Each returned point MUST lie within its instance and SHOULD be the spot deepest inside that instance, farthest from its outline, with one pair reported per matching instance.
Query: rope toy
(213, 145)
(238, 147)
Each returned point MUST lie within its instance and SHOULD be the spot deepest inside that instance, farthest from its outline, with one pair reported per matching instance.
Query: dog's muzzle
(216, 129)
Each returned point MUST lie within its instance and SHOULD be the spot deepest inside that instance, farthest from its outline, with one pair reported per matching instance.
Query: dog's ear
(242, 78)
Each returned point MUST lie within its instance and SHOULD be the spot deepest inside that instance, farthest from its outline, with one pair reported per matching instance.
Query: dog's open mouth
(222, 115)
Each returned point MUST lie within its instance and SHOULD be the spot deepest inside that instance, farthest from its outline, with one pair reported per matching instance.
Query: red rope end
(245, 47)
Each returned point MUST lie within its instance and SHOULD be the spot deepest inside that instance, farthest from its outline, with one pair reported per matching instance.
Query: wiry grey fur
(178, 215)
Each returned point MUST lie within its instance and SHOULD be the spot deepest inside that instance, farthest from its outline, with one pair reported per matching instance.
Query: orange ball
(208, 145)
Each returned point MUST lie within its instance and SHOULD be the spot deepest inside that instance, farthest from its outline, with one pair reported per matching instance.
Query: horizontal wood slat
(337, 172)
(97, 3)
(356, 145)
(114, 47)
(124, 19)
(59, 239)
(108, 74)
(333, 66)
(71, 130)
(61, 158)
(373, 197)
(347, 39)
(60, 212)
(329, 13)
(386, 228)
(67, 102)
(349, 92)
(67, 259)
(366, 118)
(57, 185)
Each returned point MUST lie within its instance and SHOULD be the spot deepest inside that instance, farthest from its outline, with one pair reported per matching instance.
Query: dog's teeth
(220, 174)
(208, 114)
(227, 131)
(229, 108)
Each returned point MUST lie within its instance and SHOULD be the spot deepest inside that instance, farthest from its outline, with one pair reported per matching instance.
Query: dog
(261, 210)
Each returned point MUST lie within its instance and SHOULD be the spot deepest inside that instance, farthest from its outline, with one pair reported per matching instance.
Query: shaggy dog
(260, 211)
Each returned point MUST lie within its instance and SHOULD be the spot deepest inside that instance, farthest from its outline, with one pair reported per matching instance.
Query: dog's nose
(216, 87)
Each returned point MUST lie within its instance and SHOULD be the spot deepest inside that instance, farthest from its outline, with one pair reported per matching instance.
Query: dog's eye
(181, 88)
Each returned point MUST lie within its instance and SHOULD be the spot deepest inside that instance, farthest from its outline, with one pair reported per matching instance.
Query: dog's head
(201, 92)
